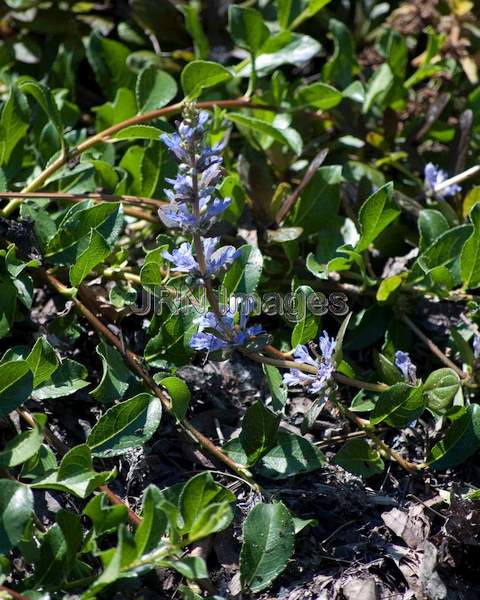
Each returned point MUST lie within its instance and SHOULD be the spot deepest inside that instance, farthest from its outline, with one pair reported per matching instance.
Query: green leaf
(376, 213)
(280, 49)
(14, 122)
(151, 273)
(343, 62)
(191, 567)
(149, 533)
(71, 526)
(213, 518)
(388, 371)
(39, 464)
(199, 75)
(126, 425)
(193, 24)
(16, 507)
(75, 230)
(138, 132)
(304, 331)
(75, 474)
(319, 202)
(116, 376)
(268, 542)
(319, 95)
(357, 457)
(198, 494)
(121, 556)
(244, 275)
(378, 86)
(277, 389)
(259, 431)
(337, 356)
(16, 383)
(69, 377)
(388, 286)
(108, 59)
(45, 99)
(470, 256)
(286, 136)
(444, 253)
(292, 455)
(8, 304)
(292, 13)
(105, 517)
(121, 108)
(461, 441)
(50, 565)
(43, 361)
(431, 225)
(95, 253)
(440, 389)
(247, 28)
(399, 405)
(154, 89)
(24, 445)
(178, 392)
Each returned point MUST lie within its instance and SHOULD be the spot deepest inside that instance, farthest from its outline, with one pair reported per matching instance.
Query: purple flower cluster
(323, 364)
(434, 176)
(221, 335)
(216, 261)
(405, 365)
(194, 202)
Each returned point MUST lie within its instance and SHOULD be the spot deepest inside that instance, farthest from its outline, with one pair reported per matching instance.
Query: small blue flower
(434, 176)
(178, 216)
(223, 334)
(182, 258)
(405, 365)
(476, 346)
(324, 365)
(216, 261)
(199, 174)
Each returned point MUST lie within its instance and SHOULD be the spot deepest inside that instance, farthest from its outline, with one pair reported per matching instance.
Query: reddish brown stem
(95, 196)
(13, 593)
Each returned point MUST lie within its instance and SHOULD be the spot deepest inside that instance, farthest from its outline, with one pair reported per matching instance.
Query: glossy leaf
(268, 541)
(125, 426)
(359, 458)
(376, 213)
(291, 456)
(154, 89)
(461, 441)
(399, 405)
(259, 431)
(440, 389)
(202, 74)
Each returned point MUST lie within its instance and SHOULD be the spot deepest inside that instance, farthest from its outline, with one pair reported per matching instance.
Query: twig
(293, 197)
(380, 444)
(457, 178)
(434, 348)
(290, 364)
(95, 196)
(338, 439)
(13, 593)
